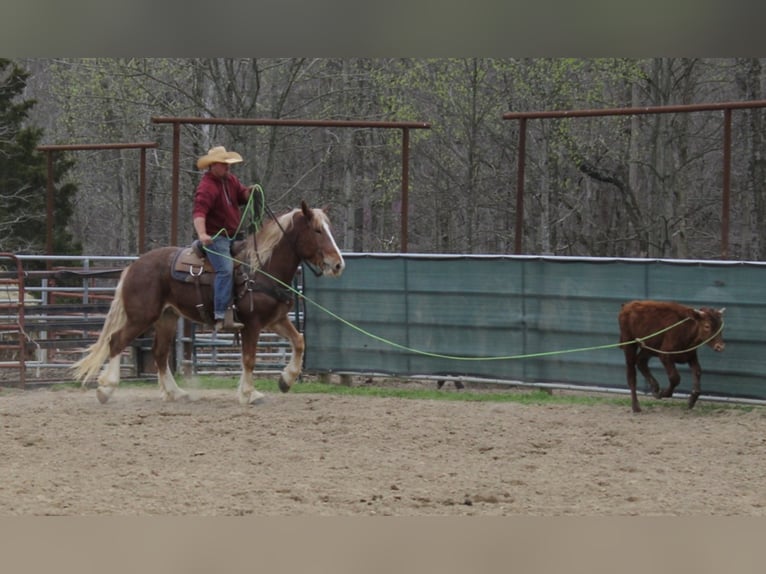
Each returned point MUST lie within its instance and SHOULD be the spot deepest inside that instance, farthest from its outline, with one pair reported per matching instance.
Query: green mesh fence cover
(531, 319)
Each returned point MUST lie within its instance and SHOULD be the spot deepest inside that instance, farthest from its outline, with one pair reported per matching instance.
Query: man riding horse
(216, 215)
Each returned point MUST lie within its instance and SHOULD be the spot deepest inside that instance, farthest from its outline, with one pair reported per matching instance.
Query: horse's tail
(84, 369)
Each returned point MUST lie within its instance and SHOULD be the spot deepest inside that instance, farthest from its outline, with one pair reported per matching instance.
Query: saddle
(191, 266)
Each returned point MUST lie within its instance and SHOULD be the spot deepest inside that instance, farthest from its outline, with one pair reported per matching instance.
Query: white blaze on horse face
(330, 264)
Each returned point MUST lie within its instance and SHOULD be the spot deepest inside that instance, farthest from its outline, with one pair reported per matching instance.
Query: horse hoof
(257, 399)
(252, 398)
(179, 397)
(103, 394)
(283, 386)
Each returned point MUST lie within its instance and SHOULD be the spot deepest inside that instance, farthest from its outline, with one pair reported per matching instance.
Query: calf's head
(710, 323)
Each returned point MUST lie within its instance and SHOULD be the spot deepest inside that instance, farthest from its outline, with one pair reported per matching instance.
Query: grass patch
(310, 387)
(511, 395)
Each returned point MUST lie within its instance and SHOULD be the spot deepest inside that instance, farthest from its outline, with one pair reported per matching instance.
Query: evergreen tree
(23, 176)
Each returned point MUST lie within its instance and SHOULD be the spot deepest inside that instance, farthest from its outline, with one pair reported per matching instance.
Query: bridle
(272, 215)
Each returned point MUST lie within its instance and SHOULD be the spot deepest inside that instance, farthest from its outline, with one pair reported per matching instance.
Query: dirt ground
(63, 453)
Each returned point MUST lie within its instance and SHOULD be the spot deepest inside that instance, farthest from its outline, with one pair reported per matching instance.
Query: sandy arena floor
(63, 453)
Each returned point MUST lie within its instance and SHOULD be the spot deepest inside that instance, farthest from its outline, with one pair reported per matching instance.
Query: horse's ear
(305, 209)
(326, 208)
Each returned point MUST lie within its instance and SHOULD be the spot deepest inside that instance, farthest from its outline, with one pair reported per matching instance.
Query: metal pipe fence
(53, 307)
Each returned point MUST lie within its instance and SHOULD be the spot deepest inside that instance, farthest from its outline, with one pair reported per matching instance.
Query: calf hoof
(692, 401)
(283, 386)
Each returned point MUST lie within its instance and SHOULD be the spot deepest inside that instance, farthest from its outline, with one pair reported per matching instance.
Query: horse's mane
(267, 238)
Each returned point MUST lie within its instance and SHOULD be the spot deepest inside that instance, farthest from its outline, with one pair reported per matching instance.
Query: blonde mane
(268, 237)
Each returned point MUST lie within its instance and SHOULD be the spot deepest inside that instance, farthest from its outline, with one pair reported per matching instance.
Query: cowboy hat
(218, 155)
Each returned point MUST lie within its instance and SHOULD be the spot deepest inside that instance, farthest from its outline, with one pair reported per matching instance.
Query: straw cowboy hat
(218, 155)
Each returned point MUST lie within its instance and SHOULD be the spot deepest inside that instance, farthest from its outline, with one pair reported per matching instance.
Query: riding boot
(228, 323)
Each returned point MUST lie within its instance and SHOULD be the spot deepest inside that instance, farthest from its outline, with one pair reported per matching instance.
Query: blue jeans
(219, 255)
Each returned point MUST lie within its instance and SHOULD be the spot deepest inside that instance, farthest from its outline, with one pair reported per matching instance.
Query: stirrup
(228, 323)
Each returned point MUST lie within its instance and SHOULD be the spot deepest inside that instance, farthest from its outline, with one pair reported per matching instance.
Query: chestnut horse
(149, 295)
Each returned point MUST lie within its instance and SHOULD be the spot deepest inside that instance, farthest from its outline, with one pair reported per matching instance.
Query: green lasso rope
(638, 340)
(258, 218)
(255, 218)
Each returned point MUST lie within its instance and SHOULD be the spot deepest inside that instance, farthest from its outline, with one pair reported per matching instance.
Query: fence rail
(519, 318)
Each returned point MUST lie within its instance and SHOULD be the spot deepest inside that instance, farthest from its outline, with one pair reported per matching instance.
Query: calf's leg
(630, 374)
(643, 365)
(673, 377)
(696, 375)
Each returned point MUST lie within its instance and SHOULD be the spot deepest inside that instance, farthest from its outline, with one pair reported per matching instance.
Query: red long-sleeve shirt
(218, 201)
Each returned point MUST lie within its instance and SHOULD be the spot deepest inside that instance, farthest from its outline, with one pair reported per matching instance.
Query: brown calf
(643, 336)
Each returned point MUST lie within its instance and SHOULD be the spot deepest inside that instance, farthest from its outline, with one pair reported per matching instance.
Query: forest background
(624, 186)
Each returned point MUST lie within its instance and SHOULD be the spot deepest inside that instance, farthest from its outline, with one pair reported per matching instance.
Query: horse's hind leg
(109, 378)
(164, 334)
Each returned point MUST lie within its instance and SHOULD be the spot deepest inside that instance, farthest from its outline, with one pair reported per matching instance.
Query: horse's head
(306, 234)
(315, 243)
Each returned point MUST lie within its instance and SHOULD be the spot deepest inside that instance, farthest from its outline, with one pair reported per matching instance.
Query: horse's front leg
(292, 370)
(246, 393)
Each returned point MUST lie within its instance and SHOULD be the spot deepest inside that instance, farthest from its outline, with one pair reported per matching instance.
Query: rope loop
(641, 340)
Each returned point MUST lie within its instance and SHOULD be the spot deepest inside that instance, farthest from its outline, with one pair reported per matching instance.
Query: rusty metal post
(176, 184)
(405, 188)
(727, 108)
(726, 194)
(49, 208)
(50, 149)
(177, 121)
(142, 203)
(518, 232)
(11, 308)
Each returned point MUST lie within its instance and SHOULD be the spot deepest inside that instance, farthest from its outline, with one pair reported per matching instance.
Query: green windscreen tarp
(525, 318)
